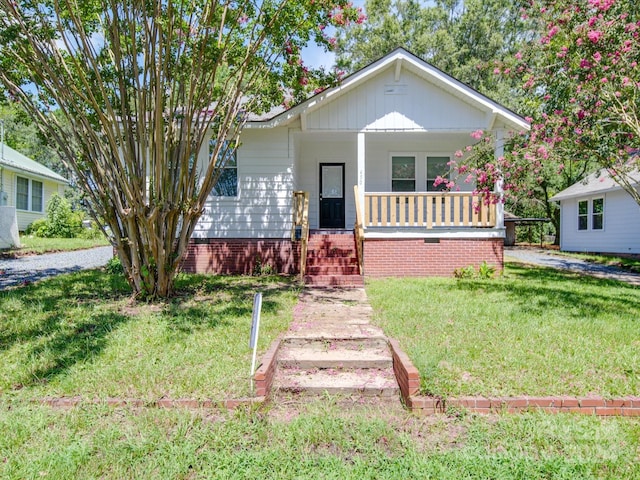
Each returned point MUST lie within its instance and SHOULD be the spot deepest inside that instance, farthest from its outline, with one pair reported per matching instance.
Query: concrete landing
(331, 347)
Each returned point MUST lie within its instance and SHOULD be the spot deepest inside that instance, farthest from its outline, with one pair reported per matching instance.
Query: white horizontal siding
(419, 106)
(621, 233)
(262, 208)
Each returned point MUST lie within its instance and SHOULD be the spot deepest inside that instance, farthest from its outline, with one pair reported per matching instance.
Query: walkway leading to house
(538, 256)
(331, 347)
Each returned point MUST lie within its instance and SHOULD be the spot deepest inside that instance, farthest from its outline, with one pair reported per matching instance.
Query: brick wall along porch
(240, 256)
(433, 257)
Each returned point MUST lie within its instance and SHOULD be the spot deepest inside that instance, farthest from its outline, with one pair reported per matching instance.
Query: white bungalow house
(27, 185)
(597, 215)
(364, 153)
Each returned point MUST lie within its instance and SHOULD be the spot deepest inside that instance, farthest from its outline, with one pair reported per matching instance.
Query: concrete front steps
(332, 259)
(331, 348)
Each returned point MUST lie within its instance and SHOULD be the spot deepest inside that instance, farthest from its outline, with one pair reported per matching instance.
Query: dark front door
(332, 195)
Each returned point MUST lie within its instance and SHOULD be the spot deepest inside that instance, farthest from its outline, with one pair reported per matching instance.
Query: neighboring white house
(597, 215)
(27, 185)
(388, 129)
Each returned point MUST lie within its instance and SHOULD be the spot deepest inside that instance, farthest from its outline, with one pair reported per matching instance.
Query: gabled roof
(596, 183)
(14, 160)
(398, 59)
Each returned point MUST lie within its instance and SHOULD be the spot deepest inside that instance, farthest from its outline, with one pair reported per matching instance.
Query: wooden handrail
(301, 222)
(427, 210)
(359, 229)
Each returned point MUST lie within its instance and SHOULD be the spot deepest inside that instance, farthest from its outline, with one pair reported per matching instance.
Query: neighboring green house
(27, 185)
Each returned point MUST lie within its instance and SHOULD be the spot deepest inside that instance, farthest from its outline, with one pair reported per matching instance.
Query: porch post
(499, 152)
(361, 168)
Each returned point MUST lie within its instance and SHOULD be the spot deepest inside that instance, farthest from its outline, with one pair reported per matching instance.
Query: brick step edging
(409, 382)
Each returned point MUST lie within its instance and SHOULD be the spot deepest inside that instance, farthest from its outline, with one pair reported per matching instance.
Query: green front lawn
(77, 335)
(34, 245)
(533, 331)
(320, 439)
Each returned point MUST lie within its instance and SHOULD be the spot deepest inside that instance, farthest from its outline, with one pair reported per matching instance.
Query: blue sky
(315, 56)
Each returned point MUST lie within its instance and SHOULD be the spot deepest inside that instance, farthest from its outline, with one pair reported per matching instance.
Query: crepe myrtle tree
(581, 81)
(140, 86)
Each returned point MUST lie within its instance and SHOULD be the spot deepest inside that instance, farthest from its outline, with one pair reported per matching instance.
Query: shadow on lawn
(541, 288)
(67, 320)
(211, 301)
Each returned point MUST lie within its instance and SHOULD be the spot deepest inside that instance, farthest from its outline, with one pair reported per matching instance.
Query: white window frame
(426, 170)
(224, 168)
(593, 214)
(30, 191)
(393, 155)
(421, 158)
(590, 215)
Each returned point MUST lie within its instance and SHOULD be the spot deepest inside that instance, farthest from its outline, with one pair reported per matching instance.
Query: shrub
(60, 222)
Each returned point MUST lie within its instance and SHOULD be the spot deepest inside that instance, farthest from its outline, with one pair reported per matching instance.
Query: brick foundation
(430, 257)
(240, 256)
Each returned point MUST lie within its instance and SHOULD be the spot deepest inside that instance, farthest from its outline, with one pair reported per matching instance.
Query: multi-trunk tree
(128, 92)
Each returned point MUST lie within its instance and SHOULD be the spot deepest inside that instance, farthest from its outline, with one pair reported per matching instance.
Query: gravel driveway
(15, 271)
(544, 258)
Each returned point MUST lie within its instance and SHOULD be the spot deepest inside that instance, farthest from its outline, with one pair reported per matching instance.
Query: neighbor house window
(403, 174)
(29, 194)
(437, 167)
(583, 214)
(597, 213)
(593, 209)
(227, 162)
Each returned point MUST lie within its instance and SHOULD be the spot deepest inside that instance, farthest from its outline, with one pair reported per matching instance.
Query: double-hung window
(29, 194)
(591, 214)
(403, 173)
(227, 163)
(583, 215)
(597, 213)
(436, 167)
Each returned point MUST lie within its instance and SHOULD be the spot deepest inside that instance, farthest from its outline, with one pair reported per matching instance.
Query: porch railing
(300, 228)
(359, 229)
(427, 210)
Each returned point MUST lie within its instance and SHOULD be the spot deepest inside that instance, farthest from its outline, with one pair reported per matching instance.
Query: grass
(31, 245)
(321, 439)
(631, 263)
(534, 331)
(77, 335)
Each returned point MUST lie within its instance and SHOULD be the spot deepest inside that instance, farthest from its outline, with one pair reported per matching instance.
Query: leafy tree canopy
(128, 92)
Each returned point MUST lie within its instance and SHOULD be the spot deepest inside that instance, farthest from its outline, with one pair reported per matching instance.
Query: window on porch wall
(437, 166)
(403, 174)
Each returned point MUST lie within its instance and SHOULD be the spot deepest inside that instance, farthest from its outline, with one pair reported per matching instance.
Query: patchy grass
(31, 245)
(534, 331)
(319, 440)
(78, 334)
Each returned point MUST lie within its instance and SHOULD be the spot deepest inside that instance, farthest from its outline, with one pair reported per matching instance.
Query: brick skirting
(419, 257)
(240, 256)
(409, 383)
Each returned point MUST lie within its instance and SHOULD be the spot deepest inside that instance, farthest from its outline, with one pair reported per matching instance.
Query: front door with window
(332, 208)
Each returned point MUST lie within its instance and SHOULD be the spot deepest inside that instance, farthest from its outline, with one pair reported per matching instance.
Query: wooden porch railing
(359, 229)
(427, 210)
(300, 228)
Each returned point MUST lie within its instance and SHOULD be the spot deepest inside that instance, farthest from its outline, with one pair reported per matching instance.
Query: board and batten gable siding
(382, 104)
(262, 208)
(621, 232)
